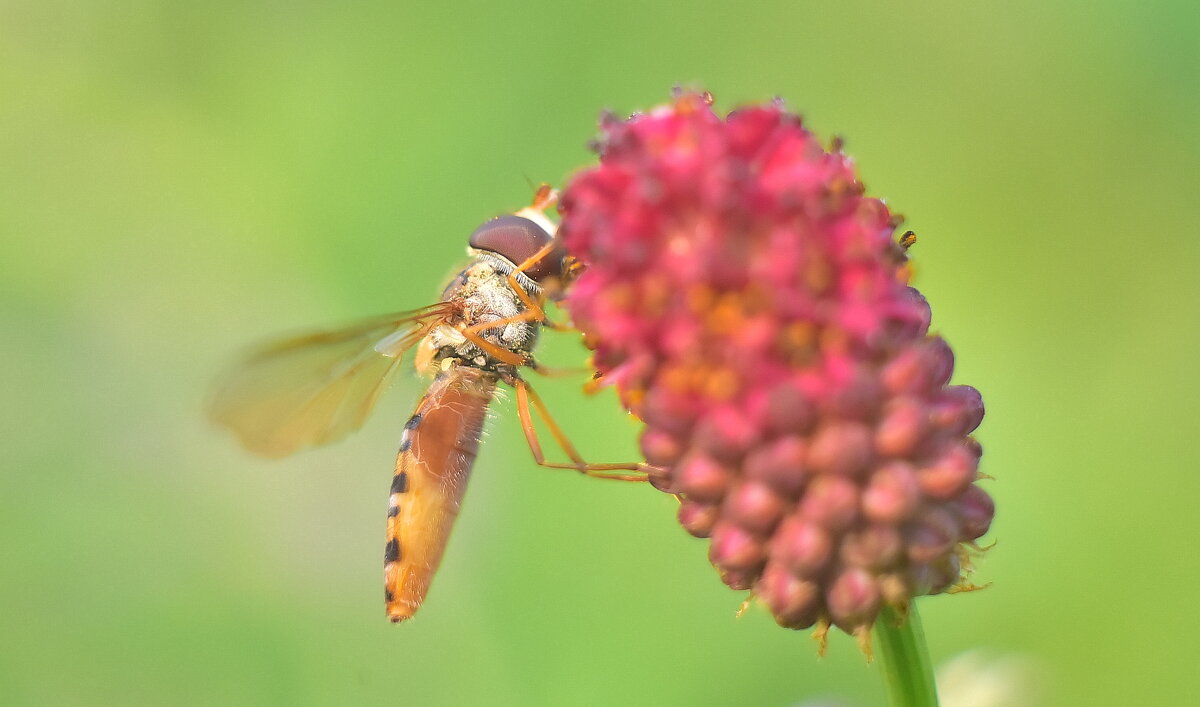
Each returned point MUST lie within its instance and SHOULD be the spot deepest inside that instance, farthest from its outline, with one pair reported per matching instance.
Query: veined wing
(316, 388)
(437, 451)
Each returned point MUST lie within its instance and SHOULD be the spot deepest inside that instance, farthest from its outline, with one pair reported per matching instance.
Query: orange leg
(496, 352)
(543, 199)
(529, 302)
(533, 305)
(601, 471)
(533, 313)
(525, 316)
(472, 334)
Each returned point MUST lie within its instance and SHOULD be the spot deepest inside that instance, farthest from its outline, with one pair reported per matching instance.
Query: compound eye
(518, 239)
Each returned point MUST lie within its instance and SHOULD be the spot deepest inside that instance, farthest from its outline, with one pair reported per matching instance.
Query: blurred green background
(179, 179)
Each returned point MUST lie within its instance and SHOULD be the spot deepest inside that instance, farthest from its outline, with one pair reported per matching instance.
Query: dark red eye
(518, 239)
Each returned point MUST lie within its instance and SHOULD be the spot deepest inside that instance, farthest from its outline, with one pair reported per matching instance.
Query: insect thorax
(484, 295)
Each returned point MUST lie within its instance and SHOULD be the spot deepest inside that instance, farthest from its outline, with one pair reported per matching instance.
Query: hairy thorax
(483, 294)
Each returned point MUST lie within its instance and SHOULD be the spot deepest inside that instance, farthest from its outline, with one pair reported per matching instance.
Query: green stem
(906, 667)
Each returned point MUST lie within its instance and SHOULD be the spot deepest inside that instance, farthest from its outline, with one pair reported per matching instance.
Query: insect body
(491, 330)
(317, 388)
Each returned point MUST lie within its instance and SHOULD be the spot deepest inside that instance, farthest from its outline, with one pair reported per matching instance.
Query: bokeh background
(179, 179)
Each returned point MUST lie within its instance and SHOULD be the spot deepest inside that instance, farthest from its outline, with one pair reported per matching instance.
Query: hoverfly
(315, 389)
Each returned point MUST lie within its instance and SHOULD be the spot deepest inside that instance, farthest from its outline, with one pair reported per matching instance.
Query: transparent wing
(316, 388)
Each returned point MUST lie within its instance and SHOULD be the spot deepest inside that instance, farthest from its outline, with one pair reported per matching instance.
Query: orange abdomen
(437, 450)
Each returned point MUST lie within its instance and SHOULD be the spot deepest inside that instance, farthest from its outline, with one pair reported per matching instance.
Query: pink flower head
(751, 305)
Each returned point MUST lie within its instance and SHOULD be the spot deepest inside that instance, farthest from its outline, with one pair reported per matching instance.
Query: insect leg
(601, 471)
(526, 299)
(471, 333)
(520, 292)
(525, 316)
(543, 198)
(497, 352)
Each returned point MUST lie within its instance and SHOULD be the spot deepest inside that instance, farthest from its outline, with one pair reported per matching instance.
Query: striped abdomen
(437, 450)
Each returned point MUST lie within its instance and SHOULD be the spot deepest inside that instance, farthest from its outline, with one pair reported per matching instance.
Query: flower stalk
(907, 671)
